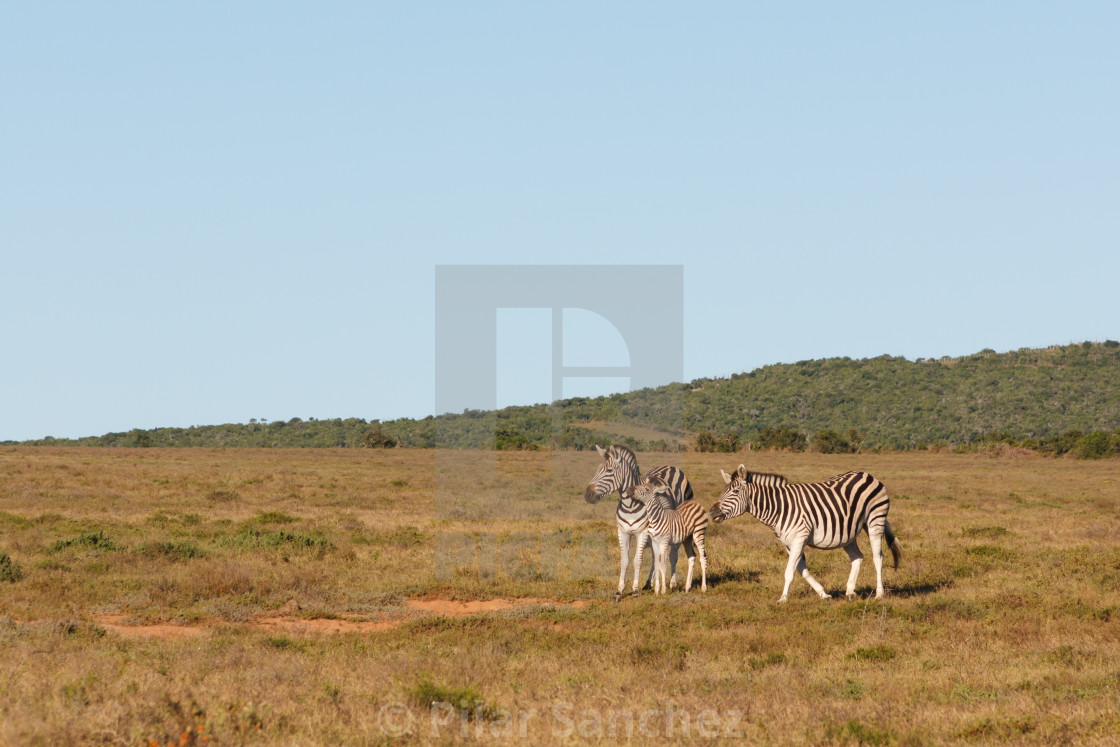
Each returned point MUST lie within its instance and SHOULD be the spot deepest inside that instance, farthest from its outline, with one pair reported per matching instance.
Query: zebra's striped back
(675, 523)
(831, 512)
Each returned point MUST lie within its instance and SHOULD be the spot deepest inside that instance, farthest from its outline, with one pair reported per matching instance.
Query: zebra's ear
(645, 481)
(726, 477)
(601, 450)
(743, 471)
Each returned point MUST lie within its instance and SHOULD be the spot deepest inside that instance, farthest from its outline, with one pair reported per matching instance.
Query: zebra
(672, 527)
(618, 472)
(824, 515)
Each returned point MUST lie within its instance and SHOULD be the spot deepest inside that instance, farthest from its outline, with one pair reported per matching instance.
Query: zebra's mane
(752, 475)
(624, 455)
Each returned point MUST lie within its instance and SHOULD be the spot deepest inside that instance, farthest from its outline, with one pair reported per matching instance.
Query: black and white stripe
(671, 527)
(824, 515)
(618, 472)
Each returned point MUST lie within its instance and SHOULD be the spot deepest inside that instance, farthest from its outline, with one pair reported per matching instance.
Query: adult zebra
(618, 472)
(824, 515)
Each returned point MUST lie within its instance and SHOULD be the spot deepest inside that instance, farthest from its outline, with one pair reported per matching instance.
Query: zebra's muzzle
(716, 515)
(590, 495)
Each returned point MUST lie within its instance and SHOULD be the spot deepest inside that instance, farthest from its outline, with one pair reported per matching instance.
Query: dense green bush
(511, 439)
(780, 439)
(831, 442)
(727, 443)
(375, 438)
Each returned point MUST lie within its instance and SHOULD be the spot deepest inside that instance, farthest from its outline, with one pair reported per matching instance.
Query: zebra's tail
(892, 542)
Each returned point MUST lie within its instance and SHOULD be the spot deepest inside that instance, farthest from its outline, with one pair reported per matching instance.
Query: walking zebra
(618, 472)
(825, 515)
(672, 527)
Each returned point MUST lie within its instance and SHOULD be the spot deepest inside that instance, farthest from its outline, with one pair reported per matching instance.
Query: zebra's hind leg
(856, 557)
(691, 552)
(876, 535)
(658, 568)
(698, 540)
(674, 553)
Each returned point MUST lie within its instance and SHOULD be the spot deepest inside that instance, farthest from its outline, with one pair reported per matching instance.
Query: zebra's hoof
(851, 597)
(782, 600)
(618, 596)
(826, 596)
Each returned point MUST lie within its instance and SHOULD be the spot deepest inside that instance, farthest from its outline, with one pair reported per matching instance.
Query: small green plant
(467, 699)
(284, 643)
(250, 538)
(854, 731)
(175, 551)
(275, 517)
(874, 653)
(989, 532)
(90, 540)
(773, 658)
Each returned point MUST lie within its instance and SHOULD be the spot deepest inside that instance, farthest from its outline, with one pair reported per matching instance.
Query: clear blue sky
(211, 212)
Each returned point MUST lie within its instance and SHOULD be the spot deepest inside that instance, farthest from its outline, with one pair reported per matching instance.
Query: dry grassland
(150, 599)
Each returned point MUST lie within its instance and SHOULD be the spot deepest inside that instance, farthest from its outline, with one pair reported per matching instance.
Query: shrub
(727, 443)
(511, 439)
(783, 438)
(9, 569)
(375, 438)
(831, 442)
(1060, 444)
(1095, 446)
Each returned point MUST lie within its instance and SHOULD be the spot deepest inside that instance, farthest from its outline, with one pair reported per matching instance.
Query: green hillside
(1026, 396)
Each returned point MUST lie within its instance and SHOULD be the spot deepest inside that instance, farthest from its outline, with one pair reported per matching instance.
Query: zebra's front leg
(791, 565)
(857, 558)
(804, 571)
(643, 538)
(624, 547)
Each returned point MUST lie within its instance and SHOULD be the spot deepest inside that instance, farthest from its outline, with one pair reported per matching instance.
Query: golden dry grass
(1003, 624)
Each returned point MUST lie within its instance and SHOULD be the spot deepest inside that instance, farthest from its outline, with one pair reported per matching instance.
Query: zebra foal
(618, 472)
(824, 515)
(672, 527)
